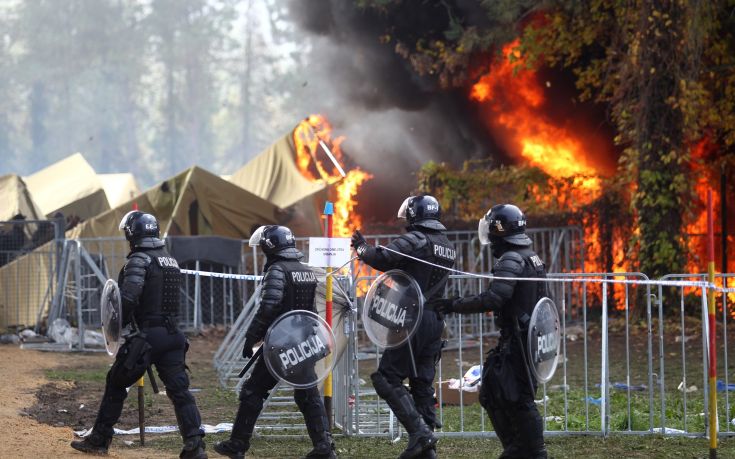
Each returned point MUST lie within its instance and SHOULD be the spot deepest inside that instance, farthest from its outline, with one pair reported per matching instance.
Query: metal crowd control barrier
(617, 372)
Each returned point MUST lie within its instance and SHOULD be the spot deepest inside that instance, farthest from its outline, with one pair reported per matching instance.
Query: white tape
(567, 279)
(221, 427)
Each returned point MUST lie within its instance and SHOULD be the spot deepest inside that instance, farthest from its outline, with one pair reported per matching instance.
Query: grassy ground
(79, 382)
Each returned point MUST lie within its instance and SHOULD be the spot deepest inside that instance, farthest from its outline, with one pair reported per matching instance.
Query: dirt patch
(23, 375)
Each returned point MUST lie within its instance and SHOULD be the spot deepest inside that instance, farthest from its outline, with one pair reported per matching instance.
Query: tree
(663, 69)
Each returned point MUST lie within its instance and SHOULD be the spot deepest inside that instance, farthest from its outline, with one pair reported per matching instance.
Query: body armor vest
(440, 251)
(300, 286)
(162, 287)
(526, 293)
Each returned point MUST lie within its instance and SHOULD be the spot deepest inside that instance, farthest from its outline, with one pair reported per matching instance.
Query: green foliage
(665, 72)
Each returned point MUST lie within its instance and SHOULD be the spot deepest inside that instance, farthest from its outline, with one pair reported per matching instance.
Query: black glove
(359, 243)
(247, 349)
(443, 306)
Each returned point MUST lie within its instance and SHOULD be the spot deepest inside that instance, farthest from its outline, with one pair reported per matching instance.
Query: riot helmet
(275, 240)
(141, 230)
(423, 211)
(504, 223)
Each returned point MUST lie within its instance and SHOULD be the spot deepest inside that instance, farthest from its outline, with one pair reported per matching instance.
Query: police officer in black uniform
(149, 289)
(287, 285)
(508, 387)
(425, 240)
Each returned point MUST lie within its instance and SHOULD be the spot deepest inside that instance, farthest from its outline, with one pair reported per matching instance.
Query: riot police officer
(287, 285)
(149, 289)
(424, 240)
(508, 387)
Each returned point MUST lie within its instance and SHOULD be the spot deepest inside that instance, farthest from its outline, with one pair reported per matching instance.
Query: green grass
(92, 374)
(619, 446)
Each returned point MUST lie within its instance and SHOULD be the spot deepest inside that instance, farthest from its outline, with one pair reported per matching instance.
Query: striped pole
(712, 331)
(328, 232)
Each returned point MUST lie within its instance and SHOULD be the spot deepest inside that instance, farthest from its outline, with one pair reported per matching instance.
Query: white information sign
(325, 252)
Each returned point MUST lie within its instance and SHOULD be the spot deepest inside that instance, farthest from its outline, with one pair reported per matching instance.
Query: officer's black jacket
(273, 288)
(148, 289)
(505, 290)
(422, 243)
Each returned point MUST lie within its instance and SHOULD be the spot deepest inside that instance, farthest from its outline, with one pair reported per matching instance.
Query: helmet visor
(256, 237)
(483, 231)
(125, 220)
(404, 208)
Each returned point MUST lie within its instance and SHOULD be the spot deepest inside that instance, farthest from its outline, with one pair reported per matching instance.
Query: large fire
(313, 141)
(517, 116)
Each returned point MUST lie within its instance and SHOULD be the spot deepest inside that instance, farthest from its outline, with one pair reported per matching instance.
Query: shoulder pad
(139, 259)
(510, 262)
(416, 238)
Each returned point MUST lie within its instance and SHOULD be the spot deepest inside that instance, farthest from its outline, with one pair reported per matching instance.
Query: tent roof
(274, 176)
(17, 199)
(69, 186)
(194, 202)
(119, 188)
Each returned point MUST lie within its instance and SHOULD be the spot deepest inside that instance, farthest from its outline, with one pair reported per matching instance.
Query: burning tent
(69, 186)
(300, 172)
(274, 176)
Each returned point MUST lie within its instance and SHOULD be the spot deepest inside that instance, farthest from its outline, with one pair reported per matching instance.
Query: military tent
(119, 188)
(274, 176)
(16, 199)
(69, 186)
(194, 202)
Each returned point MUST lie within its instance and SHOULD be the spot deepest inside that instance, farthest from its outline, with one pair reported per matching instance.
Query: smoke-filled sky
(393, 121)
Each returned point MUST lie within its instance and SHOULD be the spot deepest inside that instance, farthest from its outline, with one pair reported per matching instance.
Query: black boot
(193, 448)
(317, 424)
(94, 443)
(530, 428)
(503, 426)
(420, 436)
(242, 429)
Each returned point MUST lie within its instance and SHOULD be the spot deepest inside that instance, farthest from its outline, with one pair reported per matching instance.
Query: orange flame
(311, 137)
(516, 99)
(516, 114)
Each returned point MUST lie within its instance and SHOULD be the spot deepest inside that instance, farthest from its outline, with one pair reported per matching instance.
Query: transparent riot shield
(544, 339)
(392, 309)
(111, 311)
(299, 349)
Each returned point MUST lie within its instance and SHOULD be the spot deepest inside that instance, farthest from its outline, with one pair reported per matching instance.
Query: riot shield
(299, 349)
(544, 339)
(111, 311)
(392, 309)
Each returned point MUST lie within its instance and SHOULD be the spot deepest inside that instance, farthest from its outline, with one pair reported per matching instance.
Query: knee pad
(305, 397)
(382, 387)
(252, 397)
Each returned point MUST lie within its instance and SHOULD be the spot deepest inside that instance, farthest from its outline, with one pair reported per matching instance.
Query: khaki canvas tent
(194, 202)
(274, 176)
(69, 186)
(16, 199)
(119, 188)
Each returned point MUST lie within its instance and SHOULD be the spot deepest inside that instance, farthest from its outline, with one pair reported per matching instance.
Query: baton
(251, 362)
(154, 385)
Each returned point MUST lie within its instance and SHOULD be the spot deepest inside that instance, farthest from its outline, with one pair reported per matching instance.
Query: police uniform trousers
(395, 365)
(509, 401)
(255, 390)
(167, 352)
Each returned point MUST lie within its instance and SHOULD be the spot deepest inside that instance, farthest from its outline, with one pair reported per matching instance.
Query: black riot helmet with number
(504, 223)
(141, 230)
(422, 211)
(275, 240)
